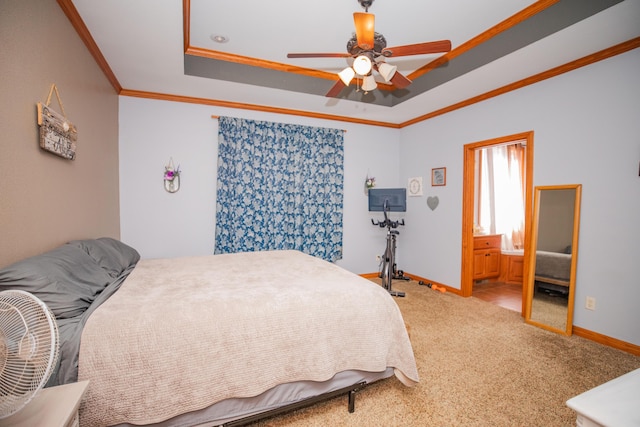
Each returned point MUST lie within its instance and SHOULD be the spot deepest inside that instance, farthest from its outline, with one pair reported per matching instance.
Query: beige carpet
(480, 365)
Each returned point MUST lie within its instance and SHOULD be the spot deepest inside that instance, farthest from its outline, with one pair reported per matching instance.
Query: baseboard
(578, 331)
(417, 279)
(433, 282)
(608, 341)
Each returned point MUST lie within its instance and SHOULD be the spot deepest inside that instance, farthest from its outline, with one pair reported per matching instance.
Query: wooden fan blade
(364, 23)
(400, 81)
(335, 89)
(318, 55)
(439, 46)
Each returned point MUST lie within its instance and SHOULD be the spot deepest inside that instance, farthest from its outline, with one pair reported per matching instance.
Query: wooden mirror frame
(530, 280)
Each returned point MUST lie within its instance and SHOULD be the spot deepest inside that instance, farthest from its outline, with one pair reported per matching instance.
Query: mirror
(553, 257)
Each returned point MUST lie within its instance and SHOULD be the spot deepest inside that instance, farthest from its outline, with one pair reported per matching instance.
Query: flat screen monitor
(396, 199)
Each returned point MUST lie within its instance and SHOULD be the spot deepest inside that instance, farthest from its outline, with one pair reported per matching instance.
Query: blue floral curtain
(280, 186)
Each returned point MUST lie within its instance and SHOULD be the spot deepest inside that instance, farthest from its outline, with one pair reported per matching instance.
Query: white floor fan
(29, 347)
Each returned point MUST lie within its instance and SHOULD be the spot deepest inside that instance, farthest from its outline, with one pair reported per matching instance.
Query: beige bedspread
(184, 333)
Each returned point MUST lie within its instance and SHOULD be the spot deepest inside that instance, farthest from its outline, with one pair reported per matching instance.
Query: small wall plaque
(415, 186)
(57, 134)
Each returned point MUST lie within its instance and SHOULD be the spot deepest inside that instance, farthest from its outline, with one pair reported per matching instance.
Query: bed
(211, 339)
(553, 270)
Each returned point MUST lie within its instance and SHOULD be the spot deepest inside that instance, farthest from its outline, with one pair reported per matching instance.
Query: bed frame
(553, 270)
(350, 391)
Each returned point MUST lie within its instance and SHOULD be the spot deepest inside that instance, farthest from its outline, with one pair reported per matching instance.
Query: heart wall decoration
(432, 202)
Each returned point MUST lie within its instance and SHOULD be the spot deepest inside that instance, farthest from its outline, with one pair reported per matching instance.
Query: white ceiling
(142, 41)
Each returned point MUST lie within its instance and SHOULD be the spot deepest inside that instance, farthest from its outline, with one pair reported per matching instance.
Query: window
(501, 193)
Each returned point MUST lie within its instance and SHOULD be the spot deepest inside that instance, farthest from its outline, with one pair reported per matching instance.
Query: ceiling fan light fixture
(362, 65)
(347, 75)
(369, 83)
(387, 71)
(364, 23)
(368, 50)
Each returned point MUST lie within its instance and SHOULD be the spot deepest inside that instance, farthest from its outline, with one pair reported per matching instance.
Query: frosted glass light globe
(362, 65)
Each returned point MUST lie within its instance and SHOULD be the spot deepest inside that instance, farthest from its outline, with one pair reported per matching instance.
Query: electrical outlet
(378, 258)
(591, 303)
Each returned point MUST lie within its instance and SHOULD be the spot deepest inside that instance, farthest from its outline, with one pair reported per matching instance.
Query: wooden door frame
(468, 194)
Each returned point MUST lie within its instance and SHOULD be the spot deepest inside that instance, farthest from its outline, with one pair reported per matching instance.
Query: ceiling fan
(369, 50)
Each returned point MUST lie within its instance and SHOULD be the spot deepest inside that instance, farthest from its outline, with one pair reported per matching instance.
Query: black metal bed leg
(352, 401)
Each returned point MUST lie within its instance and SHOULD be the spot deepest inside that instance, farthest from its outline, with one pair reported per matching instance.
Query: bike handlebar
(388, 223)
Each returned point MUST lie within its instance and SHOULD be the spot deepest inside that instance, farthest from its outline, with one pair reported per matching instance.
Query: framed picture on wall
(438, 176)
(415, 186)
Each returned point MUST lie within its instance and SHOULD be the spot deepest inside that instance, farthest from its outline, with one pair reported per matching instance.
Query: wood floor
(506, 295)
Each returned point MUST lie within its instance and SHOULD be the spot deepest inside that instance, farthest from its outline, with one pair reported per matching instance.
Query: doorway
(468, 206)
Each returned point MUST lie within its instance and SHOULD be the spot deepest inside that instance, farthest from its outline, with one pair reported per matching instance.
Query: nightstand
(614, 403)
(50, 407)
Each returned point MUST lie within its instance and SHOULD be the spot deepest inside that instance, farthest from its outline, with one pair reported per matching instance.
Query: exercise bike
(388, 271)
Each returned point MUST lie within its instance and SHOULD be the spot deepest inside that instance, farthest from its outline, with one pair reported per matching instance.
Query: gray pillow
(66, 279)
(111, 254)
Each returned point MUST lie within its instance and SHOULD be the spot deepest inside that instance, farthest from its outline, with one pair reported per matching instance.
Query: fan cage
(28, 348)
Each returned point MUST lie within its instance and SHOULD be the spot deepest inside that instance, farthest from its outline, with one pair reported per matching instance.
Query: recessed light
(218, 38)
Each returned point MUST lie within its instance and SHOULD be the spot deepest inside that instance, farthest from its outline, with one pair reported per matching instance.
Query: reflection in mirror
(553, 257)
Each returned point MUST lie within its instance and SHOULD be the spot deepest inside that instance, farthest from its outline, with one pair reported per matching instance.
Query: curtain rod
(217, 117)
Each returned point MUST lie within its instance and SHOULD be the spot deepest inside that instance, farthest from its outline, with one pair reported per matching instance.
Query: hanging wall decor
(433, 202)
(171, 177)
(415, 186)
(438, 177)
(57, 134)
(369, 182)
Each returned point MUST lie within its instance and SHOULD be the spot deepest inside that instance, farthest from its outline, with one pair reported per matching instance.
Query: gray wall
(160, 224)
(46, 200)
(586, 129)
